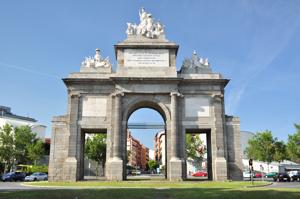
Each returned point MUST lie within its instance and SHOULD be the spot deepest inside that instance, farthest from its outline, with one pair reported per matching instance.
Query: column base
(220, 169)
(176, 169)
(70, 169)
(235, 172)
(115, 171)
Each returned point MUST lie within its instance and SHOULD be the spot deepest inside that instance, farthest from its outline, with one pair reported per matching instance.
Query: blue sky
(253, 43)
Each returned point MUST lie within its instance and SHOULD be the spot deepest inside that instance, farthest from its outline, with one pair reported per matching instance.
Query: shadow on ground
(190, 193)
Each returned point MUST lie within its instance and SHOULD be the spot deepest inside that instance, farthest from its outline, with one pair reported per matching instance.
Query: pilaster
(116, 163)
(72, 163)
(176, 162)
(220, 162)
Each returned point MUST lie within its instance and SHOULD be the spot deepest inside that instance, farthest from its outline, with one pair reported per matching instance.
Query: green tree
(35, 150)
(95, 149)
(195, 149)
(24, 138)
(265, 148)
(7, 149)
(293, 145)
(261, 147)
(152, 164)
(280, 151)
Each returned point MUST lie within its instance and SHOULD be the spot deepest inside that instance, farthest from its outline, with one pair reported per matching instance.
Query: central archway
(153, 107)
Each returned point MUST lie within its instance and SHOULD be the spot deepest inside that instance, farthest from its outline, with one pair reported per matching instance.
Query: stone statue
(96, 62)
(147, 27)
(131, 29)
(195, 64)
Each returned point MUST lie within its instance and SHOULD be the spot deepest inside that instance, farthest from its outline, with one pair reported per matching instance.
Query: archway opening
(198, 154)
(146, 148)
(93, 154)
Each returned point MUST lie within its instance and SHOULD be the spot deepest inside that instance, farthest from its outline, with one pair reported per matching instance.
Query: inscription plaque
(146, 57)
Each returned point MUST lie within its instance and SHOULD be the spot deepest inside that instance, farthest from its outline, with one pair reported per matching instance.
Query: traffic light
(250, 162)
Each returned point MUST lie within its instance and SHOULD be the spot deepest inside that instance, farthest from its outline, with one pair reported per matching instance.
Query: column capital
(118, 94)
(176, 93)
(217, 95)
(75, 94)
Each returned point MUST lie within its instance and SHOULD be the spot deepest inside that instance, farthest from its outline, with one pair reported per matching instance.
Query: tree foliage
(293, 145)
(95, 148)
(19, 145)
(7, 151)
(265, 148)
(280, 151)
(195, 149)
(24, 139)
(152, 165)
(35, 150)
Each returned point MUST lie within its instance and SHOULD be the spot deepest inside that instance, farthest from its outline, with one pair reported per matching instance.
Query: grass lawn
(149, 184)
(180, 190)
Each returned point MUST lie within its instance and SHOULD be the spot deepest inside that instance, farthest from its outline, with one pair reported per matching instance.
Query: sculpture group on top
(195, 64)
(147, 26)
(96, 62)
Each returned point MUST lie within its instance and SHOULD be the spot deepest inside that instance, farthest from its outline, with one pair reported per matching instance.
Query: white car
(36, 176)
(246, 174)
(291, 173)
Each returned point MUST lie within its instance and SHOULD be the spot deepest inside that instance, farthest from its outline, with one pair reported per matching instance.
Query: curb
(264, 185)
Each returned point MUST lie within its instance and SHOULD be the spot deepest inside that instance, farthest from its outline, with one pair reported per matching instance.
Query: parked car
(36, 176)
(258, 175)
(291, 173)
(136, 172)
(200, 174)
(296, 177)
(282, 177)
(246, 174)
(271, 175)
(13, 176)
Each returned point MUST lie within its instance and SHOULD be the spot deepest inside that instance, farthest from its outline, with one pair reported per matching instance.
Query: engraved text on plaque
(146, 57)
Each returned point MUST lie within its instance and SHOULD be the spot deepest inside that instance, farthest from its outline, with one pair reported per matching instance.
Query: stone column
(71, 165)
(176, 164)
(174, 131)
(117, 127)
(220, 168)
(116, 163)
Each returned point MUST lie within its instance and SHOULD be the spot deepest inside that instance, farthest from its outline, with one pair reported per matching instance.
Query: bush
(33, 169)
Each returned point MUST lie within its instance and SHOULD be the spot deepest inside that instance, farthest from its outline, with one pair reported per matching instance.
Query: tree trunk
(97, 169)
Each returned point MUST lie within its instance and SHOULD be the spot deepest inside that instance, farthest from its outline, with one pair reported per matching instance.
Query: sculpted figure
(97, 55)
(195, 64)
(159, 27)
(206, 62)
(147, 27)
(96, 61)
(143, 22)
(143, 14)
(130, 29)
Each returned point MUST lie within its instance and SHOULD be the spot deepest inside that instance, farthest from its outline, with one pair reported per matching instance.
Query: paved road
(285, 185)
(6, 186)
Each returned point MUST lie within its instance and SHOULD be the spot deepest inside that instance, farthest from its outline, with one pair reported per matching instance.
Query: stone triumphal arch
(99, 99)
